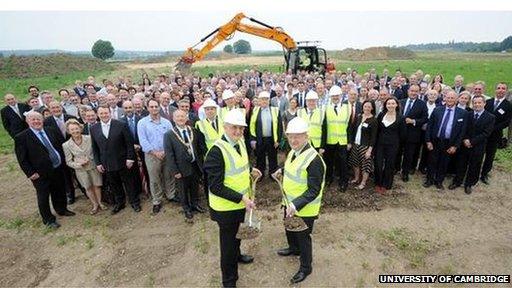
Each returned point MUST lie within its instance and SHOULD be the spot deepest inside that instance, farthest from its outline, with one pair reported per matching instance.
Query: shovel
(293, 223)
(251, 227)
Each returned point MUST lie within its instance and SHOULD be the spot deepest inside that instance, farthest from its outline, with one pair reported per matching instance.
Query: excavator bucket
(183, 65)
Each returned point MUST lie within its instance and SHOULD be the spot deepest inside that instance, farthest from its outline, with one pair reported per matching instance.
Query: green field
(490, 68)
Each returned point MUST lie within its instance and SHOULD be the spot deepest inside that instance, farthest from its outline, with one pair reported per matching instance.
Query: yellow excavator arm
(226, 32)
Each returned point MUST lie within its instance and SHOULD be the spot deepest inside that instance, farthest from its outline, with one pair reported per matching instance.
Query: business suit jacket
(137, 119)
(398, 93)
(419, 113)
(479, 131)
(503, 114)
(170, 109)
(296, 96)
(459, 125)
(72, 152)
(177, 158)
(283, 105)
(32, 154)
(87, 128)
(112, 152)
(12, 122)
(50, 122)
(368, 133)
(458, 90)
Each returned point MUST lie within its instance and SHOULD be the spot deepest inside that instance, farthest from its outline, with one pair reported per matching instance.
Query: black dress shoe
(116, 209)
(287, 252)
(67, 213)
(467, 190)
(423, 171)
(198, 209)
(485, 180)
(299, 277)
(440, 186)
(53, 225)
(453, 186)
(427, 183)
(174, 199)
(136, 208)
(245, 259)
(405, 178)
(189, 215)
(156, 208)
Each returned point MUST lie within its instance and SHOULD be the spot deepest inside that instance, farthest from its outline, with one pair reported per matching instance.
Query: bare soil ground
(242, 60)
(358, 236)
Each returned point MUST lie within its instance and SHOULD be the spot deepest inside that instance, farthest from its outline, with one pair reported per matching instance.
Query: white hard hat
(235, 117)
(264, 94)
(297, 126)
(335, 90)
(209, 103)
(312, 95)
(227, 94)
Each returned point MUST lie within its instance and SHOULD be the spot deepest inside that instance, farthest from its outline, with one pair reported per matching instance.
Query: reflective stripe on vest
(315, 122)
(337, 125)
(295, 181)
(210, 135)
(236, 176)
(274, 112)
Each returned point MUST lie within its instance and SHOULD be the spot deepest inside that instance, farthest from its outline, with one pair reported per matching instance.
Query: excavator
(298, 56)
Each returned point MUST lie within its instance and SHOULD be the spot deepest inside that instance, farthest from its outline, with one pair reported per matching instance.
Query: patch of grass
(150, 281)
(65, 239)
(413, 249)
(89, 243)
(504, 158)
(365, 265)
(447, 269)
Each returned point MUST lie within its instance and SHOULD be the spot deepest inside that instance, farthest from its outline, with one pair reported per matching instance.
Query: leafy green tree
(228, 49)
(242, 47)
(102, 49)
(506, 44)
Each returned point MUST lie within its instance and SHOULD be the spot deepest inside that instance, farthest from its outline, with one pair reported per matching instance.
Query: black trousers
(68, 182)
(51, 186)
(490, 153)
(188, 187)
(301, 242)
(424, 158)
(469, 162)
(408, 157)
(265, 149)
(336, 161)
(439, 160)
(385, 157)
(122, 181)
(229, 252)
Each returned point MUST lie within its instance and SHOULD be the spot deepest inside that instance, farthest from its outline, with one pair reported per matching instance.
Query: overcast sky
(161, 31)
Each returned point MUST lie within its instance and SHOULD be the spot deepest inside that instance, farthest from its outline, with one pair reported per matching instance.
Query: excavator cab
(309, 58)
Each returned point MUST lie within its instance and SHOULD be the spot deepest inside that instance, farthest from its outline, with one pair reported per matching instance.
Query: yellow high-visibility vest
(315, 122)
(337, 124)
(295, 181)
(210, 135)
(274, 111)
(236, 176)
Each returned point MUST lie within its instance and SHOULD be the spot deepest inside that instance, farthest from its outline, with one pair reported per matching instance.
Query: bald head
(10, 99)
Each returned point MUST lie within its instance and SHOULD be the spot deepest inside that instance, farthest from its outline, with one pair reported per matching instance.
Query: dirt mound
(375, 53)
(55, 64)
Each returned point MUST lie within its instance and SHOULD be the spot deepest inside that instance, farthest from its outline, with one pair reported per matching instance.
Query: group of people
(163, 138)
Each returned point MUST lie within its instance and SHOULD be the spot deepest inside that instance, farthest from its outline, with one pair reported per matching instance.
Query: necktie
(54, 157)
(185, 137)
(132, 126)
(302, 100)
(15, 107)
(293, 157)
(353, 116)
(237, 148)
(409, 104)
(496, 104)
(166, 111)
(336, 109)
(476, 116)
(442, 131)
(214, 125)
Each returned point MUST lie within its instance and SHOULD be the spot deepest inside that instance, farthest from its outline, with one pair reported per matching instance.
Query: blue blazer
(459, 125)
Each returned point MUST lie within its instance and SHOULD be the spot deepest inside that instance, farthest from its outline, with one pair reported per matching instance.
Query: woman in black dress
(362, 137)
(390, 133)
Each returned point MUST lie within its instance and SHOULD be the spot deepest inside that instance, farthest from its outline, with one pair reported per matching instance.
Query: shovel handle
(281, 188)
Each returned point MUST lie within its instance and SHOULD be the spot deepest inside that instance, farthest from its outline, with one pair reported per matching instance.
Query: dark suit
(132, 127)
(33, 157)
(179, 160)
(296, 96)
(68, 172)
(12, 122)
(439, 158)
(411, 146)
(357, 109)
(469, 160)
(503, 114)
(87, 128)
(112, 153)
(459, 89)
(398, 93)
